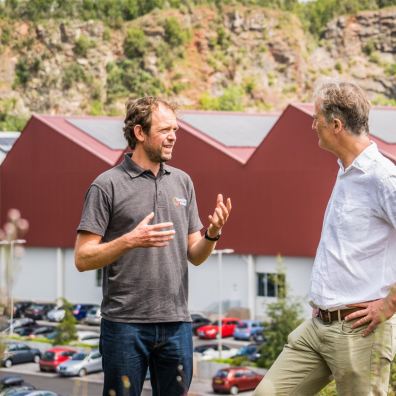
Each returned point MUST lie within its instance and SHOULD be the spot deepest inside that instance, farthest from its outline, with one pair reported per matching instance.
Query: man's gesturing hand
(220, 216)
(371, 313)
(150, 235)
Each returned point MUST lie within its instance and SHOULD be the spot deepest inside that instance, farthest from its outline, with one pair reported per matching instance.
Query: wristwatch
(216, 238)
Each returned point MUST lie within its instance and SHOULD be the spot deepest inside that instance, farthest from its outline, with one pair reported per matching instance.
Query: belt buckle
(325, 316)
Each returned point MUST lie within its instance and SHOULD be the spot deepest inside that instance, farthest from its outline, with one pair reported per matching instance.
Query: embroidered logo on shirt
(179, 202)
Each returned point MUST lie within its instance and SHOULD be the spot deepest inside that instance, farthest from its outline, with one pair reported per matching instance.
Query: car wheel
(36, 358)
(8, 363)
(82, 373)
(234, 390)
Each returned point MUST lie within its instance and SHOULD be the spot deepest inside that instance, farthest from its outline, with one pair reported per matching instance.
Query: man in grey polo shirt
(140, 224)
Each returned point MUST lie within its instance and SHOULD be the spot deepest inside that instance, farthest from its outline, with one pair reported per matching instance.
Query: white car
(210, 354)
(56, 315)
(93, 316)
(88, 337)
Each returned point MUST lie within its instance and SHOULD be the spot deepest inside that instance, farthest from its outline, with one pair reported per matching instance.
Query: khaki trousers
(316, 353)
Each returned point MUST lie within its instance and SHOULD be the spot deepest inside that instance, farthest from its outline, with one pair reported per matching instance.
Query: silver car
(93, 316)
(81, 364)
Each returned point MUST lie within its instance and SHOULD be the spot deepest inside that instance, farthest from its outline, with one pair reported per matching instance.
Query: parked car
(212, 330)
(56, 314)
(38, 311)
(17, 352)
(198, 321)
(204, 347)
(20, 308)
(53, 357)
(16, 390)
(81, 364)
(17, 324)
(246, 329)
(251, 352)
(212, 353)
(80, 310)
(88, 337)
(43, 331)
(235, 379)
(35, 393)
(11, 381)
(93, 316)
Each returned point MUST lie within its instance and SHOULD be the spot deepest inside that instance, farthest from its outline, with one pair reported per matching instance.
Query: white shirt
(356, 257)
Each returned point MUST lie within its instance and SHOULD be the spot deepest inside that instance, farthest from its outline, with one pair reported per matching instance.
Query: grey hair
(346, 101)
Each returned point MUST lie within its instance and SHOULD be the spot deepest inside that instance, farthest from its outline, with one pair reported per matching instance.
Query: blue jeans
(129, 348)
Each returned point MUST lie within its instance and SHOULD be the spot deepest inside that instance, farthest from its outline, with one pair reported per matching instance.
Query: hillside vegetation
(87, 57)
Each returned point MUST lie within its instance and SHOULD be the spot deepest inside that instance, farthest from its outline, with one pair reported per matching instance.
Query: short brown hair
(346, 101)
(139, 112)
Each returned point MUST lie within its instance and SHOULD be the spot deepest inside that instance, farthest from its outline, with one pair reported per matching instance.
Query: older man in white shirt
(352, 335)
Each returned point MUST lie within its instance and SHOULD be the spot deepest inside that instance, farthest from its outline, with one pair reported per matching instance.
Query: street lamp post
(9, 270)
(220, 253)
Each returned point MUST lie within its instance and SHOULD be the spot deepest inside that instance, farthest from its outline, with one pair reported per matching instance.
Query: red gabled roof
(79, 137)
(279, 188)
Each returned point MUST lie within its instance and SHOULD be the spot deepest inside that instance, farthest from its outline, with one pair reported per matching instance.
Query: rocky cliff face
(244, 59)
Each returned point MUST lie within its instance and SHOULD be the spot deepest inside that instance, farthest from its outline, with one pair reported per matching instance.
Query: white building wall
(204, 284)
(298, 274)
(38, 277)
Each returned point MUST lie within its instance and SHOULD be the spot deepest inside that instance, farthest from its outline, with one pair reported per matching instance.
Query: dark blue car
(80, 310)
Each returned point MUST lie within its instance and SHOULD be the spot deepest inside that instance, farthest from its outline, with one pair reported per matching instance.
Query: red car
(212, 330)
(233, 380)
(53, 357)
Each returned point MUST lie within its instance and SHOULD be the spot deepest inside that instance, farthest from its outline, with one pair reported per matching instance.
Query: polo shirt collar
(364, 160)
(134, 170)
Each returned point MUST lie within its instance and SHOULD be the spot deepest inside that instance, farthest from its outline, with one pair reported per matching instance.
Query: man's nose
(172, 136)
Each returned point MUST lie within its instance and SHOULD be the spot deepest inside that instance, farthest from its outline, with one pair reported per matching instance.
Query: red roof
(279, 188)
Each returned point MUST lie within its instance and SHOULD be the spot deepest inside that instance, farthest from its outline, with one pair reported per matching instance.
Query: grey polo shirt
(145, 285)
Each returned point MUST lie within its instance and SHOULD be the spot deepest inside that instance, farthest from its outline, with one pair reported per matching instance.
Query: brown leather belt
(339, 315)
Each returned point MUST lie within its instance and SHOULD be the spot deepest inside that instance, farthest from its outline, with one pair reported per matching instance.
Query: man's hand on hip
(371, 313)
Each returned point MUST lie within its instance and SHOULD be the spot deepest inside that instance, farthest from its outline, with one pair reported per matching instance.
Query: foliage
(67, 327)
(9, 121)
(329, 390)
(24, 69)
(175, 35)
(230, 100)
(82, 45)
(284, 317)
(72, 74)
(127, 78)
(135, 43)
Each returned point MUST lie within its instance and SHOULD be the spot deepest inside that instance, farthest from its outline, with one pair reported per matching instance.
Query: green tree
(67, 327)
(284, 316)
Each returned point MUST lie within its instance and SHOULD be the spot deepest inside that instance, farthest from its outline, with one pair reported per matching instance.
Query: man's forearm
(202, 248)
(95, 255)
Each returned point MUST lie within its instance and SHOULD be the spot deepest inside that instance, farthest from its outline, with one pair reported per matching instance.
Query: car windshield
(222, 374)
(48, 355)
(242, 325)
(36, 306)
(79, 356)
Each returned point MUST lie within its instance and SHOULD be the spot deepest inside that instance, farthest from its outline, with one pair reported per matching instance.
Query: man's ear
(338, 125)
(139, 134)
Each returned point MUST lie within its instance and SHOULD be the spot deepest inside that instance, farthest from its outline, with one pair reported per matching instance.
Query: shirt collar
(363, 161)
(134, 170)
